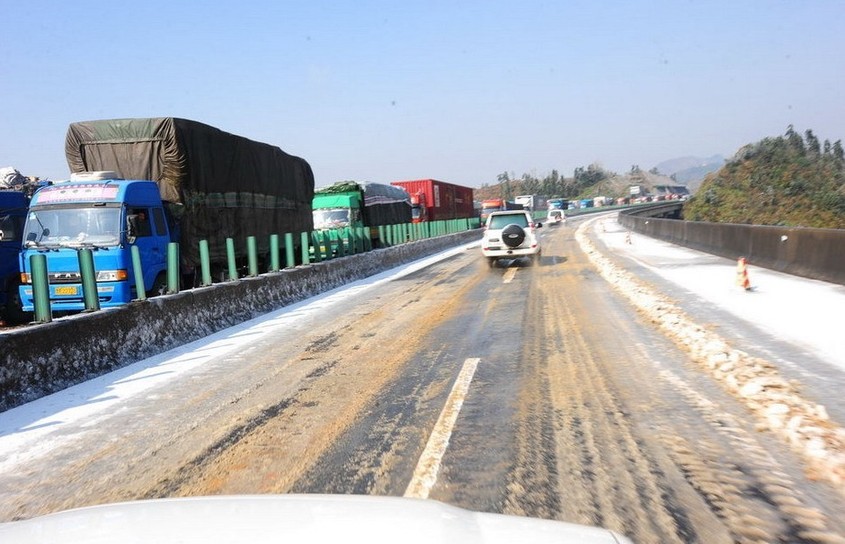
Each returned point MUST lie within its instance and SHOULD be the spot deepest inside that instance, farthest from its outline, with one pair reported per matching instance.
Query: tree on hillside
(812, 142)
(586, 178)
(795, 140)
(530, 185)
(551, 184)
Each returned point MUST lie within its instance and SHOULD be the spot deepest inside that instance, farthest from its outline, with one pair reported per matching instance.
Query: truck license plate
(65, 290)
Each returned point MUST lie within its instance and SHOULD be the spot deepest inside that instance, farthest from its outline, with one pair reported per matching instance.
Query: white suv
(510, 235)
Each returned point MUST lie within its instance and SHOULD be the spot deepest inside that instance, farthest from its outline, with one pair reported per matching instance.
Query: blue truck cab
(108, 216)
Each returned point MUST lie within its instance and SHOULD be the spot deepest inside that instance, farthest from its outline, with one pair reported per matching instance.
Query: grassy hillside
(789, 180)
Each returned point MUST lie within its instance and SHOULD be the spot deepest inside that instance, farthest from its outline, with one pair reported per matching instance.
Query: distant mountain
(673, 166)
(690, 171)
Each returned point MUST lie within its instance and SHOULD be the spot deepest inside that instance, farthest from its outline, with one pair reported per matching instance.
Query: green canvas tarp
(218, 185)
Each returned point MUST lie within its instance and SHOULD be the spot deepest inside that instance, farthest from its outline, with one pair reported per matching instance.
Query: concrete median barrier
(807, 252)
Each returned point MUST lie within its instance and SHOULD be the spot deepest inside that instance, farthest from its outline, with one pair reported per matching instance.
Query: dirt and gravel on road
(581, 410)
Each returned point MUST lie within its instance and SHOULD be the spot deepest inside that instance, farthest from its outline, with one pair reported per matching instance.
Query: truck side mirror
(131, 228)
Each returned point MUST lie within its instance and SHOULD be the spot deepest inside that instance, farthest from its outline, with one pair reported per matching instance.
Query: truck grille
(65, 277)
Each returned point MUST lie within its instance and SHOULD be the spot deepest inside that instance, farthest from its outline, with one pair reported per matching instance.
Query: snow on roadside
(775, 401)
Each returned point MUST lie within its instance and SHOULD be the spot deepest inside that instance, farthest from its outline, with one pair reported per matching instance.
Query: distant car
(555, 217)
(510, 235)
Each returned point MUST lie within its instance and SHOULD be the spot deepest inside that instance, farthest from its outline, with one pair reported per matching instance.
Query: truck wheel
(491, 262)
(14, 313)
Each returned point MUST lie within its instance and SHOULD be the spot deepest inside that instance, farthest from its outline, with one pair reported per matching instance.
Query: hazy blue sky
(458, 91)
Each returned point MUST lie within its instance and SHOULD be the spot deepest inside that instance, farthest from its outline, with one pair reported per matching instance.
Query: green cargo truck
(349, 207)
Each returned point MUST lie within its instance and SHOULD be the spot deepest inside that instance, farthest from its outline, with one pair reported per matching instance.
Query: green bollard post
(381, 236)
(89, 279)
(138, 274)
(303, 240)
(326, 245)
(359, 239)
(318, 252)
(173, 271)
(252, 256)
(338, 239)
(230, 259)
(350, 235)
(289, 250)
(274, 253)
(40, 288)
(205, 264)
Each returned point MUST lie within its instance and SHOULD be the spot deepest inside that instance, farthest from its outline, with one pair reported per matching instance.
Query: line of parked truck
(149, 183)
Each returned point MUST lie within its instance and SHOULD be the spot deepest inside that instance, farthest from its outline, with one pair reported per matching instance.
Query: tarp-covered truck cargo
(217, 185)
(385, 205)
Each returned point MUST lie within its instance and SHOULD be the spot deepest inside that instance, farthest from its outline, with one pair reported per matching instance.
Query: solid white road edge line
(425, 475)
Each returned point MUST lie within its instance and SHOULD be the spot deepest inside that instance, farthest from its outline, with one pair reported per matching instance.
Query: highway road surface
(541, 391)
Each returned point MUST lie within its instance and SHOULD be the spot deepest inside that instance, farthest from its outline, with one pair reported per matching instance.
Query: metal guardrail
(315, 247)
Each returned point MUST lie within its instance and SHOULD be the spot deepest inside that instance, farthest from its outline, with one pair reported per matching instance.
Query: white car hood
(315, 519)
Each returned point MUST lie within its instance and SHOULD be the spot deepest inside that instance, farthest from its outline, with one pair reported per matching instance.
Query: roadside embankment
(42, 359)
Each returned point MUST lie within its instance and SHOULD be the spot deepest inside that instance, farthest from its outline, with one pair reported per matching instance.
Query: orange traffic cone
(742, 274)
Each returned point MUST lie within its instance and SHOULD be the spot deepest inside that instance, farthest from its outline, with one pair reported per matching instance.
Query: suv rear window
(501, 221)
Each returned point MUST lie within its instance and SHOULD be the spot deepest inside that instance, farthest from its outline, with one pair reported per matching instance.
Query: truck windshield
(73, 227)
(331, 219)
